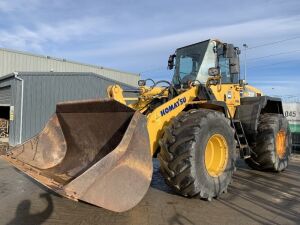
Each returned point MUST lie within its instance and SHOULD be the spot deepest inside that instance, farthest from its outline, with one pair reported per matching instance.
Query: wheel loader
(197, 125)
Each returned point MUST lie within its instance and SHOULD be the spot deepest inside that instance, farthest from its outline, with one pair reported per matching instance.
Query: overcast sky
(138, 36)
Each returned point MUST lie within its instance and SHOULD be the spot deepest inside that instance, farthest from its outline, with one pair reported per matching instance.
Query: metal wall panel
(42, 91)
(5, 96)
(11, 61)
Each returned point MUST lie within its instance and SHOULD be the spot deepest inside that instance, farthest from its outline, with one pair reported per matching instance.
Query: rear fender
(252, 107)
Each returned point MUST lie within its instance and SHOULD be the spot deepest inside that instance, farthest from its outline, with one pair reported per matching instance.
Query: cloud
(9, 6)
(280, 85)
(251, 30)
(278, 89)
(139, 35)
(22, 37)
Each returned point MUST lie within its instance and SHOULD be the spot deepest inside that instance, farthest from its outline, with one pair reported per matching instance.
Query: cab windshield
(193, 61)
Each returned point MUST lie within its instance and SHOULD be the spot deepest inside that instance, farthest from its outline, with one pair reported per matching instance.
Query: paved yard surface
(253, 198)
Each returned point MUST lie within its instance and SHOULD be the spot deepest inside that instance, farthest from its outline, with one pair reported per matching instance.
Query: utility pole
(245, 63)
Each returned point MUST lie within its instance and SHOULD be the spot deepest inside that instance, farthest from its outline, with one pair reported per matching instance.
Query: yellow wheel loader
(100, 151)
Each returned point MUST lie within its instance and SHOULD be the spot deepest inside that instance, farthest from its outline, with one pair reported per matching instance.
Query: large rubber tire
(266, 157)
(182, 154)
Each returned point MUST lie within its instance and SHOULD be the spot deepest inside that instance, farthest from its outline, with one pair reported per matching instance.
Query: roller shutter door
(5, 96)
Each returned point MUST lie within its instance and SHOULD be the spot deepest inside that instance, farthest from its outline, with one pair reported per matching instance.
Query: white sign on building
(292, 113)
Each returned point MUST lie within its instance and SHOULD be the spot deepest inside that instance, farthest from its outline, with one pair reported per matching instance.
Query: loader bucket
(95, 151)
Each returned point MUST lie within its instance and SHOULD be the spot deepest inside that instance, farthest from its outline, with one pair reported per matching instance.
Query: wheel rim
(280, 143)
(216, 155)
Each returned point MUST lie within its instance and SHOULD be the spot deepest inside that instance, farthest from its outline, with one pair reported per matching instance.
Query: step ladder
(242, 143)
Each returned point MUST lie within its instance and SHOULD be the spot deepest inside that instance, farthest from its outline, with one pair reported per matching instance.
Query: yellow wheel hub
(280, 143)
(216, 155)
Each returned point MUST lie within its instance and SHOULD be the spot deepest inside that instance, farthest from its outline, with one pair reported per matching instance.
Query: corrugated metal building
(28, 99)
(11, 61)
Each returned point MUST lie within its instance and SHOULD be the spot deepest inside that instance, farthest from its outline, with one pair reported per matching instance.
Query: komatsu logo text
(168, 109)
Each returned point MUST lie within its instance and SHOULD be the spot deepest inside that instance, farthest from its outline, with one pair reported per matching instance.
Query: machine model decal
(168, 109)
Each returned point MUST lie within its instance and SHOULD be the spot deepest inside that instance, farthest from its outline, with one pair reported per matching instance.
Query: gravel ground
(253, 198)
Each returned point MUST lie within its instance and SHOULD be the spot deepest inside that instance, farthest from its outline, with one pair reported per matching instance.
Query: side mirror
(214, 71)
(171, 61)
(220, 49)
(141, 83)
(230, 51)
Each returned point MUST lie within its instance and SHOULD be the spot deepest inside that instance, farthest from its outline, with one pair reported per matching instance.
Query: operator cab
(195, 63)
